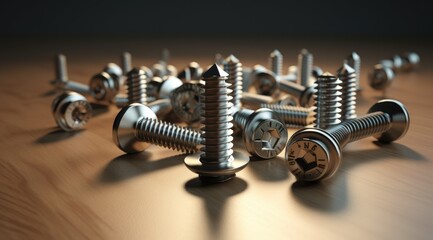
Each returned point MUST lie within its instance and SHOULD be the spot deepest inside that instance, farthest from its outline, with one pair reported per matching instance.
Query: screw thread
(61, 68)
(216, 115)
(234, 68)
(292, 115)
(136, 86)
(126, 62)
(276, 62)
(168, 135)
(354, 60)
(355, 129)
(241, 116)
(327, 101)
(305, 67)
(348, 92)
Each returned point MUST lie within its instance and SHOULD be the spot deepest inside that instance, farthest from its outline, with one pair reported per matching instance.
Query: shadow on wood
(271, 170)
(57, 135)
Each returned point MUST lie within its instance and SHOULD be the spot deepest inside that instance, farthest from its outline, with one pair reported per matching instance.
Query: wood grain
(57, 185)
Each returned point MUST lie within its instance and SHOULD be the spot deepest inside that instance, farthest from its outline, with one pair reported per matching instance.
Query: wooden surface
(57, 185)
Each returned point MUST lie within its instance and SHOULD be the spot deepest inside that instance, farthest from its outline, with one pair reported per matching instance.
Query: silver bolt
(354, 61)
(263, 82)
(71, 111)
(136, 86)
(264, 134)
(381, 78)
(411, 60)
(219, 59)
(62, 81)
(233, 67)
(192, 72)
(186, 102)
(314, 154)
(217, 162)
(327, 101)
(136, 127)
(276, 62)
(159, 88)
(126, 62)
(161, 107)
(162, 68)
(305, 67)
(253, 101)
(292, 115)
(348, 92)
(304, 95)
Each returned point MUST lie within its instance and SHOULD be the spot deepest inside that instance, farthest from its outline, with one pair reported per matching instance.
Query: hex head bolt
(233, 67)
(347, 76)
(264, 134)
(71, 111)
(62, 81)
(276, 62)
(217, 162)
(327, 101)
(136, 127)
(354, 61)
(305, 67)
(304, 95)
(292, 115)
(315, 154)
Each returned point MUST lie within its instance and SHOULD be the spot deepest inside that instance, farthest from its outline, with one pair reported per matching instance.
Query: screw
(315, 154)
(254, 101)
(234, 68)
(381, 78)
(161, 107)
(136, 127)
(159, 88)
(136, 86)
(62, 81)
(327, 101)
(305, 67)
(217, 162)
(264, 134)
(219, 59)
(126, 62)
(347, 76)
(162, 68)
(71, 111)
(354, 61)
(304, 95)
(263, 82)
(293, 71)
(276, 62)
(192, 72)
(411, 60)
(105, 85)
(292, 115)
(186, 102)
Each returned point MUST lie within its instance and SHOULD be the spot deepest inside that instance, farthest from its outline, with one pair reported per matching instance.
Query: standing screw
(305, 67)
(327, 103)
(136, 127)
(162, 68)
(234, 68)
(348, 92)
(304, 95)
(276, 62)
(354, 61)
(264, 134)
(62, 81)
(71, 111)
(217, 162)
(315, 154)
(292, 115)
(126, 62)
(136, 86)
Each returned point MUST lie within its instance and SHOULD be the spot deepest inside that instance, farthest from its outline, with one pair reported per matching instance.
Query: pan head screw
(381, 77)
(263, 82)
(71, 111)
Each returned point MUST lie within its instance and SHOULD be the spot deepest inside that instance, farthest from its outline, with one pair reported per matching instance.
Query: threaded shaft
(234, 68)
(327, 101)
(216, 114)
(126, 62)
(358, 128)
(61, 68)
(292, 88)
(276, 62)
(305, 67)
(292, 115)
(348, 92)
(241, 116)
(255, 100)
(136, 86)
(168, 135)
(354, 61)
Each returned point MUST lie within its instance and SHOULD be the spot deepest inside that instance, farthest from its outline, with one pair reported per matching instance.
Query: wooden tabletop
(79, 185)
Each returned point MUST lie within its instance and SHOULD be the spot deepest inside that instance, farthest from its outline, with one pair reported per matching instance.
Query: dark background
(333, 17)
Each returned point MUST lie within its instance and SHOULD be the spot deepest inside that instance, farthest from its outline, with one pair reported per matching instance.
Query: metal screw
(126, 62)
(217, 162)
(62, 81)
(253, 101)
(305, 67)
(234, 68)
(263, 82)
(315, 154)
(161, 107)
(381, 78)
(304, 95)
(327, 101)
(293, 71)
(264, 134)
(136, 127)
(159, 88)
(276, 62)
(162, 68)
(348, 92)
(354, 61)
(105, 85)
(192, 72)
(411, 60)
(136, 86)
(71, 111)
(292, 115)
(186, 102)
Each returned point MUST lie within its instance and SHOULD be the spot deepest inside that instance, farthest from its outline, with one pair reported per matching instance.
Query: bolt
(126, 62)
(315, 154)
(348, 92)
(162, 68)
(411, 60)
(305, 67)
(292, 115)
(381, 78)
(104, 86)
(71, 111)
(136, 86)
(234, 68)
(62, 81)
(186, 102)
(136, 127)
(304, 95)
(161, 107)
(264, 134)
(217, 162)
(159, 88)
(276, 62)
(219, 59)
(254, 101)
(327, 101)
(316, 71)
(354, 61)
(263, 82)
(192, 72)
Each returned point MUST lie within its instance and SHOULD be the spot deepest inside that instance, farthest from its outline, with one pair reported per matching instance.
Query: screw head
(381, 77)
(186, 101)
(399, 119)
(168, 85)
(103, 87)
(265, 135)
(307, 97)
(125, 125)
(71, 111)
(313, 154)
(264, 82)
